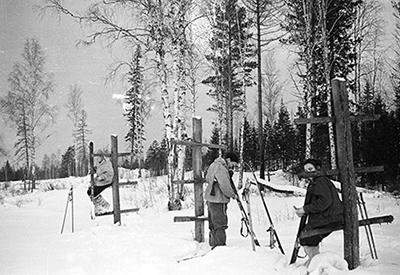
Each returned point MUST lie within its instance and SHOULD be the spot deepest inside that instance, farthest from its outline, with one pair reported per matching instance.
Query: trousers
(217, 223)
(97, 190)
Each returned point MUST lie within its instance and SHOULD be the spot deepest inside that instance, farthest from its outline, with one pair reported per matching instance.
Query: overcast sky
(86, 67)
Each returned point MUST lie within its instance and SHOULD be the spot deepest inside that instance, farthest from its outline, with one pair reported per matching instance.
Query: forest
(226, 47)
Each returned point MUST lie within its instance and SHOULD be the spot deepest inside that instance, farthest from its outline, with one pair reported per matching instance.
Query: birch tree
(26, 104)
(326, 50)
(150, 23)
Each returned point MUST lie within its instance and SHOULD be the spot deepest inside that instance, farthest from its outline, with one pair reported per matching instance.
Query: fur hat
(232, 156)
(317, 164)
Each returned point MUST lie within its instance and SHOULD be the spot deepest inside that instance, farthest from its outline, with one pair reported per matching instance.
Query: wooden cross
(346, 170)
(198, 180)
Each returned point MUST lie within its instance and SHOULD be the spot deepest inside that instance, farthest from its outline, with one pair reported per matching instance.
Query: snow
(149, 242)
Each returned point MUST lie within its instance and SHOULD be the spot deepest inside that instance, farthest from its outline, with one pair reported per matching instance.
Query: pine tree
(233, 58)
(268, 140)
(136, 107)
(212, 154)
(284, 137)
(250, 150)
(81, 140)
(68, 162)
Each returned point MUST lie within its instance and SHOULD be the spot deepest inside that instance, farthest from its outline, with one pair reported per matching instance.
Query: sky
(87, 67)
(149, 242)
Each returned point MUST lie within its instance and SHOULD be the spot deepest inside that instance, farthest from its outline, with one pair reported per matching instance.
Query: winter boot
(311, 251)
(100, 205)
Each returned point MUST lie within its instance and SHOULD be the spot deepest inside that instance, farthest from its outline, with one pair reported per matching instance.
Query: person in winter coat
(102, 179)
(217, 195)
(322, 206)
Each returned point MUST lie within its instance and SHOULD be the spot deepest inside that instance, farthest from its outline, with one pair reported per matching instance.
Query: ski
(245, 218)
(246, 198)
(198, 253)
(296, 247)
(271, 229)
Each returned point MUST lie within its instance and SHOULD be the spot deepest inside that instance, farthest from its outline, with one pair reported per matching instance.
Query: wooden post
(115, 187)
(198, 181)
(346, 172)
(91, 165)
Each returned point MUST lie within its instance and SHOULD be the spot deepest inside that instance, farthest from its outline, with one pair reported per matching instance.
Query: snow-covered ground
(149, 242)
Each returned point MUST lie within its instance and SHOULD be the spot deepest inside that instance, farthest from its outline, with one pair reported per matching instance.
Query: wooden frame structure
(346, 170)
(115, 182)
(198, 180)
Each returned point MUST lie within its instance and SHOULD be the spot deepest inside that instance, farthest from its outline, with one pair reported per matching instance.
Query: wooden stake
(198, 181)
(346, 172)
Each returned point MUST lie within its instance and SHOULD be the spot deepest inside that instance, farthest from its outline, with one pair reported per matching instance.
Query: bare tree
(26, 103)
(267, 21)
(368, 32)
(272, 88)
(75, 106)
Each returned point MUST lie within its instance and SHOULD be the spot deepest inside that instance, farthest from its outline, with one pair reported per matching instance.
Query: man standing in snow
(102, 179)
(322, 207)
(218, 194)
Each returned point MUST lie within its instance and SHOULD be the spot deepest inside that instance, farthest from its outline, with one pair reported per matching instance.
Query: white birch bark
(327, 68)
(309, 94)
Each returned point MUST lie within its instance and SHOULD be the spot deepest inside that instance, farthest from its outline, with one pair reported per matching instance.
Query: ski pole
(66, 209)
(368, 229)
(271, 228)
(296, 247)
(245, 218)
(72, 208)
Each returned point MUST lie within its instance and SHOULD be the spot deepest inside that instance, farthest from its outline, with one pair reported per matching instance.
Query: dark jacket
(322, 204)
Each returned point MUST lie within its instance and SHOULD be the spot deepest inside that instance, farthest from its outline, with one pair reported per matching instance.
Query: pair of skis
(273, 234)
(245, 219)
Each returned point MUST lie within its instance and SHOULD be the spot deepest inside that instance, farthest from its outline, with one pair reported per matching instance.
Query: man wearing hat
(217, 195)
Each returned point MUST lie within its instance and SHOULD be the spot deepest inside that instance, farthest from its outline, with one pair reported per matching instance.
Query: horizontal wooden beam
(313, 120)
(189, 219)
(371, 169)
(364, 117)
(109, 155)
(182, 181)
(128, 183)
(124, 154)
(193, 143)
(101, 154)
(323, 120)
(359, 170)
(121, 211)
(129, 210)
(374, 220)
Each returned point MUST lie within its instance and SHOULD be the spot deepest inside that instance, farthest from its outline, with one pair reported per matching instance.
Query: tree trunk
(307, 8)
(260, 108)
(327, 69)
